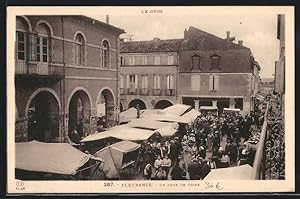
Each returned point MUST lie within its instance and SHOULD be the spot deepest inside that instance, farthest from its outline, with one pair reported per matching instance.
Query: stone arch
(79, 112)
(43, 111)
(27, 22)
(74, 91)
(47, 24)
(140, 102)
(79, 32)
(37, 92)
(161, 104)
(105, 106)
(105, 39)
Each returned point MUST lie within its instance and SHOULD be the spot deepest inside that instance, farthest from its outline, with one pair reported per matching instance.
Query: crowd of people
(199, 147)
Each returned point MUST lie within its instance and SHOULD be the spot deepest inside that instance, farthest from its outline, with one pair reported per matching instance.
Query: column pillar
(196, 105)
(231, 103)
(214, 103)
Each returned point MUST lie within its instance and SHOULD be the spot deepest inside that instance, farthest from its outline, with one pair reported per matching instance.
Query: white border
(287, 185)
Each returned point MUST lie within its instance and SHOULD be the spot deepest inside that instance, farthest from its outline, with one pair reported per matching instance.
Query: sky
(257, 32)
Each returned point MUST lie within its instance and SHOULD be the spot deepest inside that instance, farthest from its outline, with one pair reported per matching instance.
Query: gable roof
(156, 45)
(197, 39)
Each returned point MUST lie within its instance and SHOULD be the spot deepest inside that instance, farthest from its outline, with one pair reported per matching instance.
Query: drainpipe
(63, 80)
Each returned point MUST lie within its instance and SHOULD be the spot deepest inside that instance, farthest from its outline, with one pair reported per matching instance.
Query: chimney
(156, 40)
(107, 19)
(240, 42)
(228, 35)
(185, 35)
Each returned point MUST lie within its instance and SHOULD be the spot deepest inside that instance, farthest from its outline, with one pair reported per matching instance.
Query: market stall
(119, 159)
(231, 173)
(39, 160)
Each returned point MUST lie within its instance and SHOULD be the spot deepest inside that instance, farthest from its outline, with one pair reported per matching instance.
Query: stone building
(66, 75)
(149, 73)
(216, 72)
(207, 70)
(280, 64)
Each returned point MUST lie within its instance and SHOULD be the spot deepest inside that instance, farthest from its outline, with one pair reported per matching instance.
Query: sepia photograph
(150, 99)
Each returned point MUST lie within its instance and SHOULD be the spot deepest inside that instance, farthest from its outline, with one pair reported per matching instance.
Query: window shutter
(128, 81)
(136, 81)
(172, 82)
(216, 82)
(210, 82)
(146, 81)
(121, 81)
(168, 81)
(159, 82)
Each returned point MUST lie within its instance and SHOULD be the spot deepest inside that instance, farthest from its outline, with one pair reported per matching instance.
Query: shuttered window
(214, 82)
(157, 82)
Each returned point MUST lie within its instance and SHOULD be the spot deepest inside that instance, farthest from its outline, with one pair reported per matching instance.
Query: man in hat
(216, 140)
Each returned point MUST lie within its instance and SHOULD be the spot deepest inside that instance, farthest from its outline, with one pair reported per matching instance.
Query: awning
(176, 109)
(231, 110)
(231, 173)
(113, 157)
(58, 158)
(209, 108)
(128, 115)
(168, 131)
(147, 124)
(191, 115)
(163, 117)
(122, 132)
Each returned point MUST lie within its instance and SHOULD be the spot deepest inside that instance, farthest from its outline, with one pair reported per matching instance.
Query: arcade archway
(162, 104)
(43, 118)
(105, 108)
(137, 102)
(79, 114)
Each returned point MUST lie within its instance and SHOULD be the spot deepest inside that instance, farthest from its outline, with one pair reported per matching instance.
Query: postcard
(150, 99)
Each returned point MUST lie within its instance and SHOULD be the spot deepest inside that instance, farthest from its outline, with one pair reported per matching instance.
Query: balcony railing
(170, 92)
(156, 91)
(122, 91)
(48, 69)
(144, 91)
(132, 91)
(269, 160)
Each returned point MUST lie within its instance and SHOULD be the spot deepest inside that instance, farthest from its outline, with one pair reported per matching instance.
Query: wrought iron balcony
(132, 91)
(170, 92)
(34, 68)
(144, 91)
(122, 91)
(156, 91)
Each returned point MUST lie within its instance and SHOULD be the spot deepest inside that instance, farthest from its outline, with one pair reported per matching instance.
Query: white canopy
(164, 117)
(176, 109)
(147, 124)
(208, 108)
(59, 158)
(191, 115)
(113, 157)
(231, 110)
(128, 115)
(168, 131)
(122, 132)
(231, 173)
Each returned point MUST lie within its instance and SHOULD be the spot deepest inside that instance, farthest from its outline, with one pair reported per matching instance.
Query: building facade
(66, 76)
(209, 71)
(149, 73)
(280, 64)
(216, 72)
